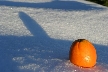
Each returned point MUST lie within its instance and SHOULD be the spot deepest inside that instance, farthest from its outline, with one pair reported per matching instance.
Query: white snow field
(36, 35)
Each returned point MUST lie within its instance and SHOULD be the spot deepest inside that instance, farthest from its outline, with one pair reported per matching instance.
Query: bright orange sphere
(82, 53)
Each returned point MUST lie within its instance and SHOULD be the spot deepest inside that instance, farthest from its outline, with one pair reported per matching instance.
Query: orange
(82, 53)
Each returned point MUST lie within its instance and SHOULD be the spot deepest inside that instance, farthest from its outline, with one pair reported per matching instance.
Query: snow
(36, 35)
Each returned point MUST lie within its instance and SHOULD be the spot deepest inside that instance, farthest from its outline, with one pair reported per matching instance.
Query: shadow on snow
(55, 4)
(38, 49)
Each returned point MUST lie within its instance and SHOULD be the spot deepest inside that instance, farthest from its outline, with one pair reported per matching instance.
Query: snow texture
(36, 35)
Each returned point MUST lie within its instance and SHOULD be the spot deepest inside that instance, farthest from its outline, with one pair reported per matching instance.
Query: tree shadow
(55, 4)
(38, 52)
(32, 51)
(102, 52)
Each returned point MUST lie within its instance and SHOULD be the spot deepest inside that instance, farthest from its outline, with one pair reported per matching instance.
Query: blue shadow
(39, 46)
(55, 4)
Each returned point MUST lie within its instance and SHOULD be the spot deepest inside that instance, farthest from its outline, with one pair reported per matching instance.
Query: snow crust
(36, 35)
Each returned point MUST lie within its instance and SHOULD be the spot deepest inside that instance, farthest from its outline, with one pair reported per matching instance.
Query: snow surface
(36, 35)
